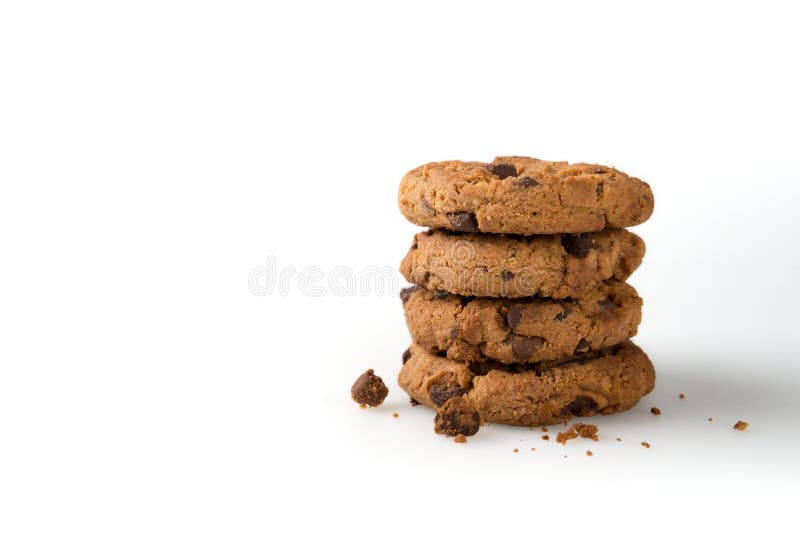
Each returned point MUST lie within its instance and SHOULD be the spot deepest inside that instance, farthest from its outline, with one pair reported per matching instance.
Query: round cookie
(521, 330)
(518, 195)
(603, 382)
(555, 266)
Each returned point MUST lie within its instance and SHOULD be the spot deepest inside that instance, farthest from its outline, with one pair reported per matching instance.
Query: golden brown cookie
(485, 265)
(519, 195)
(602, 382)
(521, 330)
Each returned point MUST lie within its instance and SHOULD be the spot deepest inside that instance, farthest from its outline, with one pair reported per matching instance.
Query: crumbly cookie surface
(521, 330)
(601, 382)
(555, 266)
(520, 195)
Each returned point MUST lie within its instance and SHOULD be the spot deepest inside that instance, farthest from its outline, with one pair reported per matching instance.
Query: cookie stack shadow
(519, 304)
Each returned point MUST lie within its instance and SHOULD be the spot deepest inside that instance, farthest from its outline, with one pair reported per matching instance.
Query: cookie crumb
(457, 416)
(645, 445)
(619, 439)
(460, 438)
(533, 448)
(681, 396)
(589, 453)
(741, 426)
(655, 411)
(710, 419)
(565, 436)
(395, 415)
(544, 429)
(546, 437)
(369, 390)
(586, 431)
(516, 450)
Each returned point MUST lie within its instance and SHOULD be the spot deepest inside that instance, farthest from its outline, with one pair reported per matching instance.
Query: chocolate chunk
(578, 245)
(463, 221)
(502, 170)
(441, 392)
(369, 389)
(457, 416)
(583, 346)
(563, 314)
(413, 402)
(514, 315)
(481, 368)
(524, 347)
(506, 276)
(406, 293)
(453, 332)
(526, 181)
(580, 407)
(439, 295)
(406, 355)
(599, 188)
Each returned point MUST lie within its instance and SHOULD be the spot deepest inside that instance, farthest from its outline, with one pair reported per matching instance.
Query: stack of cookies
(519, 305)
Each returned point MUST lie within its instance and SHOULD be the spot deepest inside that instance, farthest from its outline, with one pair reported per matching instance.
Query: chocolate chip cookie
(599, 382)
(555, 266)
(518, 195)
(521, 330)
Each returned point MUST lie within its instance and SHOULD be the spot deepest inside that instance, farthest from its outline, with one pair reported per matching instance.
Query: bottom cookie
(600, 382)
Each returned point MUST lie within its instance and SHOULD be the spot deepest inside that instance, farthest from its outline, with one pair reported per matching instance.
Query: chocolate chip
(453, 332)
(457, 416)
(524, 347)
(442, 391)
(463, 221)
(425, 207)
(580, 407)
(583, 346)
(502, 170)
(439, 295)
(514, 315)
(599, 188)
(563, 314)
(506, 276)
(414, 402)
(578, 245)
(526, 181)
(406, 293)
(607, 304)
(406, 355)
(369, 389)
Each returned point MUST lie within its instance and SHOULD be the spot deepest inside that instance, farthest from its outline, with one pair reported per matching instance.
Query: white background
(153, 153)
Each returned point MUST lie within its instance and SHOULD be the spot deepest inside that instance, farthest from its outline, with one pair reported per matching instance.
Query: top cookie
(518, 195)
